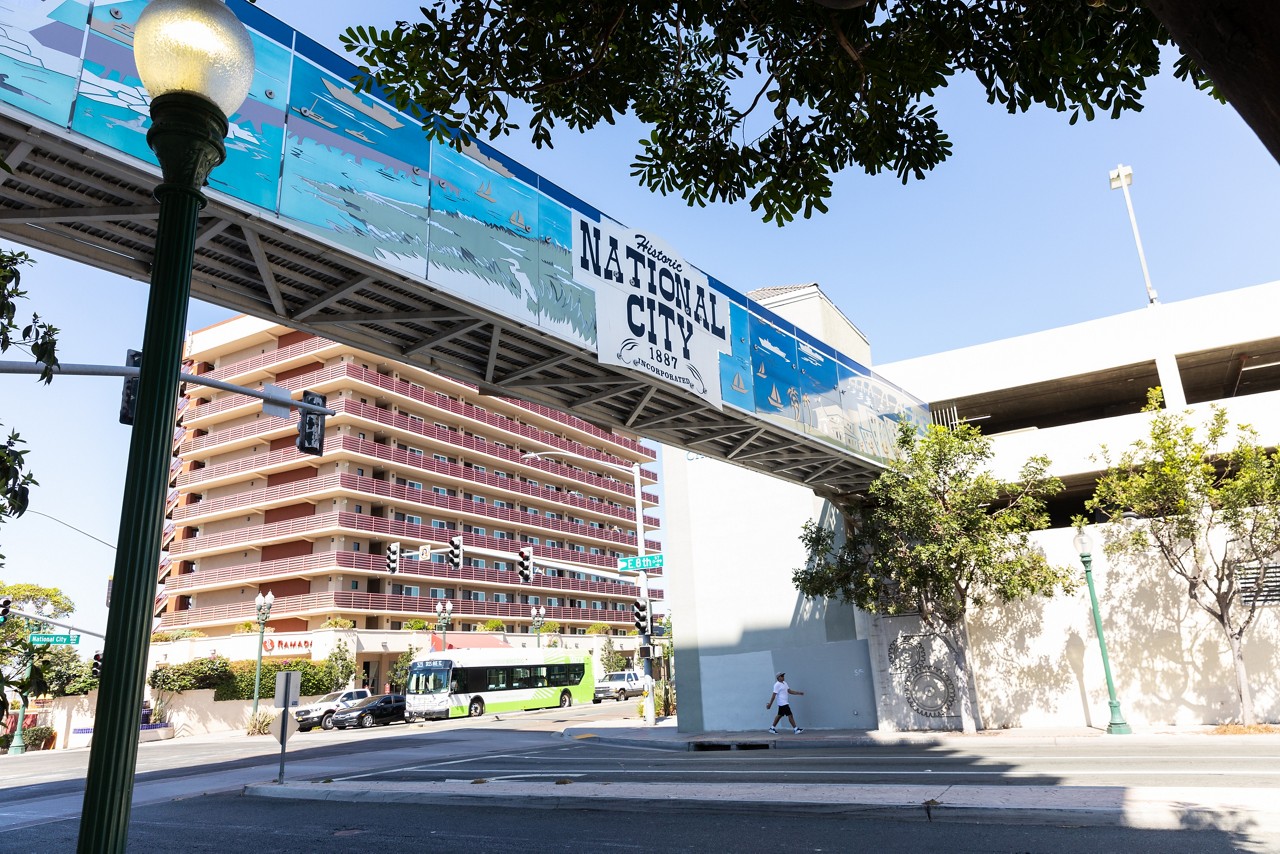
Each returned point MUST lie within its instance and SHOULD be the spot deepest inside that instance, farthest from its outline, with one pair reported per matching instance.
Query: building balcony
(267, 462)
(315, 605)
(436, 406)
(267, 365)
(315, 489)
(378, 529)
(411, 572)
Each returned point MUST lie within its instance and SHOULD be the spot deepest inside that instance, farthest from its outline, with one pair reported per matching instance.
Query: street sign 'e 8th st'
(635, 562)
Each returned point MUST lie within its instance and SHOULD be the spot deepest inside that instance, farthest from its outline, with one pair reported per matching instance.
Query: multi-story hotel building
(409, 457)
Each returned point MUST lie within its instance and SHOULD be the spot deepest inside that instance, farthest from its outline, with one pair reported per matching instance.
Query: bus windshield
(428, 678)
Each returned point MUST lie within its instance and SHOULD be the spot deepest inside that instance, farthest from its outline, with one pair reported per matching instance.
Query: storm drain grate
(731, 745)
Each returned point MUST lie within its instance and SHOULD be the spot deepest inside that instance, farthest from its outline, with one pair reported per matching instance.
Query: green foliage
(936, 535)
(341, 666)
(414, 625)
(260, 724)
(1175, 491)
(32, 599)
(398, 676)
(339, 623)
(248, 627)
(610, 659)
(66, 673)
(598, 629)
(551, 627)
(176, 634)
(40, 340)
(34, 737)
(493, 625)
(758, 100)
(199, 673)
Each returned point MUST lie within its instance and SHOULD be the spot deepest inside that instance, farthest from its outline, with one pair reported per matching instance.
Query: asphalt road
(187, 792)
(233, 823)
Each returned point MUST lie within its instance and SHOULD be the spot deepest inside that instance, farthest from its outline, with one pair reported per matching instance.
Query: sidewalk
(1156, 808)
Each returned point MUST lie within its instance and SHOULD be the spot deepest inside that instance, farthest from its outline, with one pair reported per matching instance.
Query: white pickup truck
(320, 713)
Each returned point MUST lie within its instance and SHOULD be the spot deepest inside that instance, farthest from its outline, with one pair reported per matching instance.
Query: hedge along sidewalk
(233, 680)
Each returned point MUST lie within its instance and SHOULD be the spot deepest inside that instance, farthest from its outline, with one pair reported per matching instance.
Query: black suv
(382, 709)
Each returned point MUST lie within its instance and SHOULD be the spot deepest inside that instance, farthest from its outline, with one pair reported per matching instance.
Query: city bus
(470, 682)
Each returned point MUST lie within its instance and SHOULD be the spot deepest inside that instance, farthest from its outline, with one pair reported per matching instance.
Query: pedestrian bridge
(333, 214)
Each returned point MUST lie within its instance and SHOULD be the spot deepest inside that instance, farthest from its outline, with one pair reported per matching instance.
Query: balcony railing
(441, 402)
(330, 524)
(418, 572)
(314, 604)
(412, 497)
(318, 345)
(273, 357)
(259, 463)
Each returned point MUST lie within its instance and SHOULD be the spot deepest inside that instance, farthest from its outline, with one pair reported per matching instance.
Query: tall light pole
(196, 61)
(643, 577)
(263, 604)
(538, 613)
(444, 616)
(1084, 546)
(1121, 177)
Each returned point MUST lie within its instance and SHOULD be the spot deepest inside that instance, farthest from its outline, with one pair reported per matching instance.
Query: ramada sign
(286, 646)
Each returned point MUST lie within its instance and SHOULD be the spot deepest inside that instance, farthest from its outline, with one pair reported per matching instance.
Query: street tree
(398, 675)
(935, 535)
(30, 599)
(764, 101)
(67, 674)
(1209, 513)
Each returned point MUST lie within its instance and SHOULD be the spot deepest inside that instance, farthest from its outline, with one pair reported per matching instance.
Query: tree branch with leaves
(757, 100)
(1210, 513)
(936, 535)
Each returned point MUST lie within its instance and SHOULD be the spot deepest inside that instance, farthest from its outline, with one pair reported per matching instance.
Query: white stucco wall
(732, 542)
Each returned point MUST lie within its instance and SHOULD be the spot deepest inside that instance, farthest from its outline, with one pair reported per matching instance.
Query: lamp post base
(1117, 726)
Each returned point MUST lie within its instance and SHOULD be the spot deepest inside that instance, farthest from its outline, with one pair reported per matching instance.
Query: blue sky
(1018, 232)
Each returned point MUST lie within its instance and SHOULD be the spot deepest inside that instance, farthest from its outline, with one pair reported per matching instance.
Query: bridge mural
(345, 167)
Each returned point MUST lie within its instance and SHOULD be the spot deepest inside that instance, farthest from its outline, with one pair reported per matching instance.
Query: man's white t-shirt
(782, 692)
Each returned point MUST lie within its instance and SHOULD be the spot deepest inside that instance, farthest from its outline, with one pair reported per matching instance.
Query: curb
(1150, 813)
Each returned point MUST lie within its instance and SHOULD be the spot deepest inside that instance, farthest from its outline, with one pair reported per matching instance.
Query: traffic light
(129, 394)
(525, 564)
(393, 558)
(640, 610)
(4, 608)
(97, 665)
(455, 552)
(311, 426)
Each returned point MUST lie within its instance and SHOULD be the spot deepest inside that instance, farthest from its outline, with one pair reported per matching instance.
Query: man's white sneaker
(799, 730)
(773, 730)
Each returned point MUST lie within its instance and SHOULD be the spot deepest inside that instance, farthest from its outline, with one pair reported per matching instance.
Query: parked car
(382, 709)
(618, 686)
(320, 713)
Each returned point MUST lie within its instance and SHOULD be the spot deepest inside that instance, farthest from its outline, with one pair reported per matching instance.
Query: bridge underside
(92, 207)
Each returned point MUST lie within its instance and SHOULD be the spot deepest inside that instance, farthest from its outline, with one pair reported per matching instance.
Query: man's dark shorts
(784, 711)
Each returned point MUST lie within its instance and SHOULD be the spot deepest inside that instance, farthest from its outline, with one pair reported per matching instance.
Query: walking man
(782, 693)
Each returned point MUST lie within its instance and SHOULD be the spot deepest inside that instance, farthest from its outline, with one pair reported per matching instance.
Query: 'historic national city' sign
(655, 312)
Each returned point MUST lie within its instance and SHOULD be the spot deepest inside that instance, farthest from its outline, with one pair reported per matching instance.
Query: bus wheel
(477, 708)
(565, 700)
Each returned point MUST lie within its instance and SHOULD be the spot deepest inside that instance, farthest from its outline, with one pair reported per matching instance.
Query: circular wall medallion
(905, 655)
(931, 692)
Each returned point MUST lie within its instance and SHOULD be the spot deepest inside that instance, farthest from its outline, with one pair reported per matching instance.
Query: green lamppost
(539, 614)
(196, 61)
(1084, 546)
(263, 604)
(444, 616)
